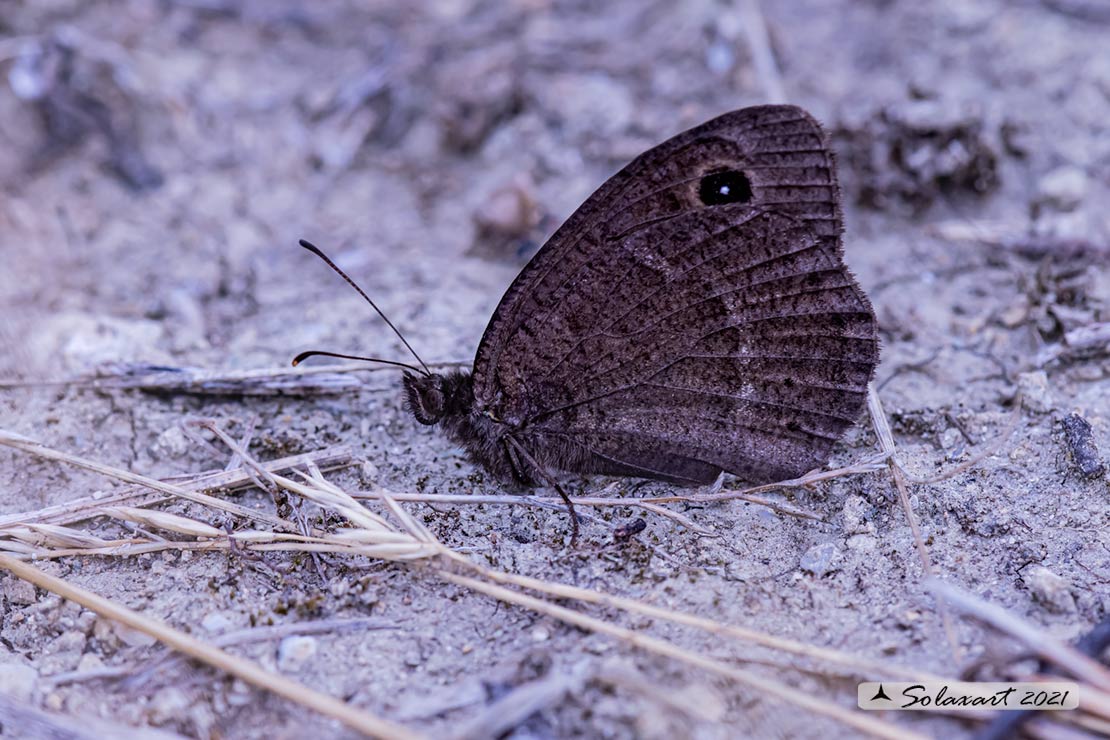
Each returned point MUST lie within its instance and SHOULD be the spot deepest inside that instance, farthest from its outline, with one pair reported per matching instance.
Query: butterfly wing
(694, 315)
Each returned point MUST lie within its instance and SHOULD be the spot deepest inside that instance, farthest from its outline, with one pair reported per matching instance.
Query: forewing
(671, 338)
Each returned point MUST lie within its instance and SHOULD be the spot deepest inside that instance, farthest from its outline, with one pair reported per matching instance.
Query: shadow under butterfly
(694, 316)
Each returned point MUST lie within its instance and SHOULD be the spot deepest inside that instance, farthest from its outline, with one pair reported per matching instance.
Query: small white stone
(1049, 589)
(541, 634)
(240, 694)
(216, 623)
(19, 591)
(820, 560)
(863, 543)
(950, 437)
(1064, 187)
(294, 652)
(18, 681)
(90, 662)
(857, 516)
(132, 638)
(1036, 395)
(171, 444)
(53, 701)
(167, 705)
(72, 641)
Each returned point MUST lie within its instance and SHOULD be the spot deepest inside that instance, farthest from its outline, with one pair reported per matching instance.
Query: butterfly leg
(550, 480)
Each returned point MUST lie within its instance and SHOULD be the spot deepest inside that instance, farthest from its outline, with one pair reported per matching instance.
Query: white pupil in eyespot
(724, 190)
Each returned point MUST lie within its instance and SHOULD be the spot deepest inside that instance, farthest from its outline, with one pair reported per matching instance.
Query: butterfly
(694, 316)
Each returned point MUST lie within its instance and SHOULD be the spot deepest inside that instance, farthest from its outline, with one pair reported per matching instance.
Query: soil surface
(159, 161)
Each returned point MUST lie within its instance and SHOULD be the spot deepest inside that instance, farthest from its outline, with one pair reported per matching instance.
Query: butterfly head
(432, 397)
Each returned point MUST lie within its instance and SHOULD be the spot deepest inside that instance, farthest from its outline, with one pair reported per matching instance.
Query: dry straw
(394, 535)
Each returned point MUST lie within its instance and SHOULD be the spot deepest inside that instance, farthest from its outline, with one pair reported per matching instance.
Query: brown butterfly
(693, 316)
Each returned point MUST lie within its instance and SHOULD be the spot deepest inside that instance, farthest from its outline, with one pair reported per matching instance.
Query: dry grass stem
(20, 442)
(650, 503)
(518, 705)
(36, 723)
(545, 502)
(862, 666)
(250, 672)
(991, 449)
(864, 723)
(886, 444)
(372, 535)
(1032, 636)
(87, 507)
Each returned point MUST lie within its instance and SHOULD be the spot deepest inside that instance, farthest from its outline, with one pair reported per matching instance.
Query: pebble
(216, 623)
(339, 587)
(132, 638)
(19, 591)
(863, 543)
(167, 705)
(1049, 589)
(170, 444)
(594, 103)
(79, 342)
(294, 652)
(950, 437)
(103, 632)
(90, 662)
(413, 658)
(857, 516)
(820, 559)
(54, 702)
(69, 642)
(240, 694)
(1064, 187)
(1036, 395)
(18, 681)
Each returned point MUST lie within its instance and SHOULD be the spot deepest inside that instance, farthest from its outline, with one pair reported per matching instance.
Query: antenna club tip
(296, 361)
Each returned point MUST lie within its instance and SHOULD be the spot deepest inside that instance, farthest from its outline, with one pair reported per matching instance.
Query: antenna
(316, 250)
(315, 352)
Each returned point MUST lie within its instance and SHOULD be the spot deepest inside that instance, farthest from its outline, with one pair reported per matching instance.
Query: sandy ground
(975, 148)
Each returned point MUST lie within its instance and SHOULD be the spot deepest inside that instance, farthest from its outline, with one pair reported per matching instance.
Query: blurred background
(159, 160)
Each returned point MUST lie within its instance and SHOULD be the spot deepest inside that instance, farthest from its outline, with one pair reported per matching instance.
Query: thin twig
(1034, 637)
(252, 673)
(855, 719)
(20, 442)
(861, 665)
(142, 673)
(28, 721)
(545, 502)
(241, 453)
(87, 507)
(991, 449)
(886, 444)
(245, 443)
(522, 702)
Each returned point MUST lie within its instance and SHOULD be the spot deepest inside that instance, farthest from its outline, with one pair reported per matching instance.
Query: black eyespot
(730, 186)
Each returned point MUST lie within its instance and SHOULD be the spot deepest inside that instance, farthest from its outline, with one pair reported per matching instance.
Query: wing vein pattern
(665, 337)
